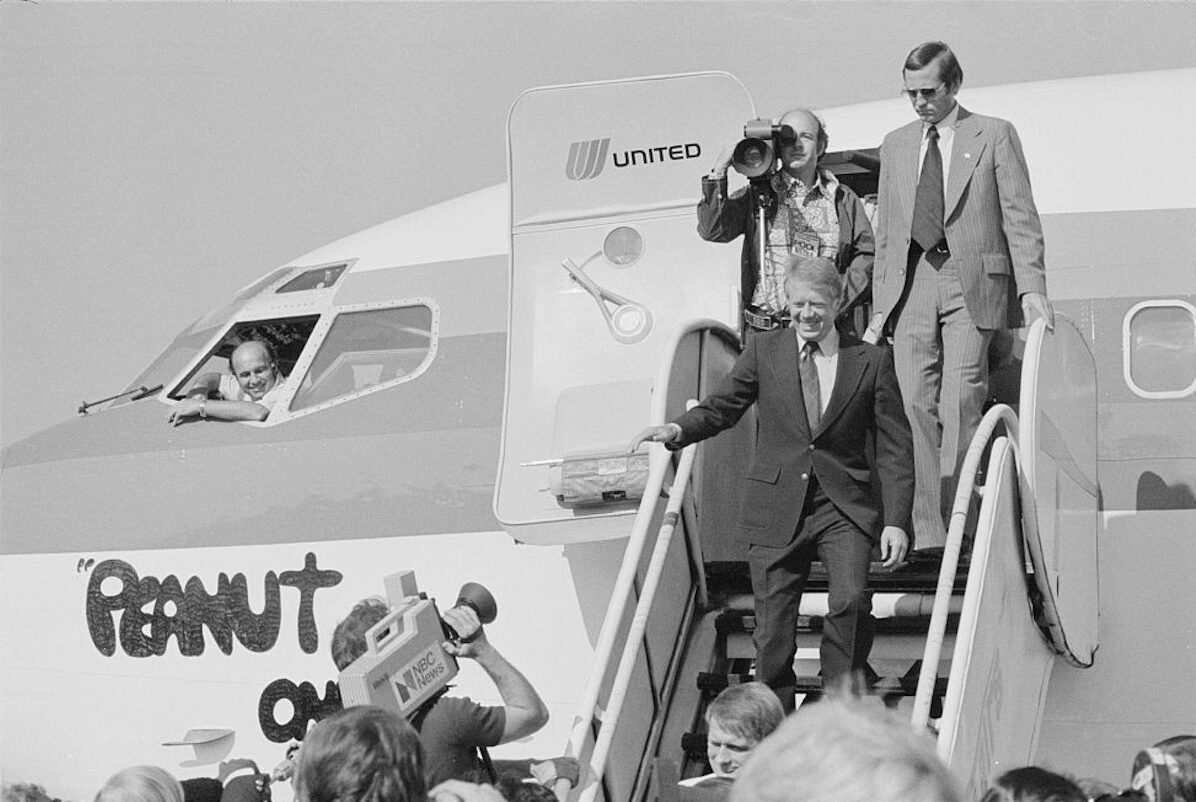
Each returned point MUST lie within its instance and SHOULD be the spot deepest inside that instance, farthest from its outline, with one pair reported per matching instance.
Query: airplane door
(606, 268)
(1058, 445)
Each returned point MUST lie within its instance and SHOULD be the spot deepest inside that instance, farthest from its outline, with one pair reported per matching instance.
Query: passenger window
(368, 349)
(1159, 352)
(288, 336)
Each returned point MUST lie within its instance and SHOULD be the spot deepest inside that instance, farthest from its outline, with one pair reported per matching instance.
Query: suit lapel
(965, 154)
(782, 356)
(907, 168)
(847, 378)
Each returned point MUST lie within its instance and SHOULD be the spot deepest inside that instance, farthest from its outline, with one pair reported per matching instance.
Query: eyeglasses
(926, 93)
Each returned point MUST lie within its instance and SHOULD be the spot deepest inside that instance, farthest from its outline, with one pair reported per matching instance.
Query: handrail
(1001, 413)
(596, 766)
(658, 462)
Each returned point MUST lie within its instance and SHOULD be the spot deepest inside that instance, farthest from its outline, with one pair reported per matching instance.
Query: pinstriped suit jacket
(992, 226)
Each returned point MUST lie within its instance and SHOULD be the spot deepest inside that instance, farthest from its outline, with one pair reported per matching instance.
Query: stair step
(731, 577)
(712, 683)
(907, 647)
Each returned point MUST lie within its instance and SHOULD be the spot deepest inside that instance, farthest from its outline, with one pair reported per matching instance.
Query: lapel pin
(967, 155)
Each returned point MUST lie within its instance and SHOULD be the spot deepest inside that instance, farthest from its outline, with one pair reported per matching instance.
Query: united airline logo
(588, 157)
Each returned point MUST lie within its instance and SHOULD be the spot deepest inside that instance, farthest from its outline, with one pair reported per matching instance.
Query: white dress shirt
(826, 361)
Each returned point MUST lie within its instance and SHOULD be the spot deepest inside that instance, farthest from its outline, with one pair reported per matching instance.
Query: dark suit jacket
(992, 225)
(864, 401)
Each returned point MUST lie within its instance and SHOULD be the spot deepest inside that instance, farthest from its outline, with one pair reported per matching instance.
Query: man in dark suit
(959, 255)
(821, 396)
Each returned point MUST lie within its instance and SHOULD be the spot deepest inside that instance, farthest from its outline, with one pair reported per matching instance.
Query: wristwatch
(203, 408)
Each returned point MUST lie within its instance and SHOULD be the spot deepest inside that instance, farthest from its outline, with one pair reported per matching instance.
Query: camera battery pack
(404, 663)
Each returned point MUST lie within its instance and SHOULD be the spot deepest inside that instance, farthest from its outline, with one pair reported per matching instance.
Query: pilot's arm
(203, 408)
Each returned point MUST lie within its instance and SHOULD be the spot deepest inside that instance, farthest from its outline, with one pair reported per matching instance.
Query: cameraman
(807, 211)
(452, 728)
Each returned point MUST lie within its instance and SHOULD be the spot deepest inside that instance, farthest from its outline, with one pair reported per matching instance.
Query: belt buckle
(762, 322)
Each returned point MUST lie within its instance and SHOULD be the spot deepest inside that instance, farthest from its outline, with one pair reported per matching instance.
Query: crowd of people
(842, 748)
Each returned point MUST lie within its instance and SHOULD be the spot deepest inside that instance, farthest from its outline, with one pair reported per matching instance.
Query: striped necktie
(811, 390)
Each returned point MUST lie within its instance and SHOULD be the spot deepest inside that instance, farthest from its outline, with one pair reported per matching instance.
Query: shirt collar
(824, 181)
(828, 345)
(949, 121)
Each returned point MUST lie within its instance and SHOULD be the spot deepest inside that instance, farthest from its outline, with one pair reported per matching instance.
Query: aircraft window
(1159, 352)
(287, 335)
(366, 349)
(318, 278)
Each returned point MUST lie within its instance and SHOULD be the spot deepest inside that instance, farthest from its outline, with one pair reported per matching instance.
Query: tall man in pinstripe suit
(959, 255)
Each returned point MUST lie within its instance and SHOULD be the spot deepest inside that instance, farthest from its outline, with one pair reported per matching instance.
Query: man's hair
(1033, 784)
(949, 70)
(847, 750)
(361, 754)
(141, 784)
(271, 354)
(817, 271)
(750, 711)
(348, 639)
(823, 138)
(515, 789)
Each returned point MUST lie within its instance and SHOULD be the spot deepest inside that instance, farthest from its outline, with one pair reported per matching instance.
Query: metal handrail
(936, 633)
(595, 768)
(1001, 413)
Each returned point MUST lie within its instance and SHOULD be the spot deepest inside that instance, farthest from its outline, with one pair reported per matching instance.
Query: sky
(156, 157)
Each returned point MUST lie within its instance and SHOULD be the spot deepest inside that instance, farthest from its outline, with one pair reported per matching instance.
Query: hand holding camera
(471, 638)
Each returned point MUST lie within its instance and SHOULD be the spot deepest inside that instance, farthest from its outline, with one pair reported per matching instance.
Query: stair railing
(595, 767)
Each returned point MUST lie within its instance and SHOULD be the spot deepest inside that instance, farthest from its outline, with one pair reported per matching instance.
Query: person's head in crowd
(1033, 784)
(848, 750)
(515, 789)
(799, 156)
(737, 720)
(814, 289)
(141, 784)
(361, 754)
(255, 367)
(932, 79)
(1166, 772)
(348, 639)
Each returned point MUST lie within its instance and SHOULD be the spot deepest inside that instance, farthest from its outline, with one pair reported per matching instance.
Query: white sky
(156, 157)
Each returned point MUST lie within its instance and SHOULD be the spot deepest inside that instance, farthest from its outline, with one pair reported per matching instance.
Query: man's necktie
(927, 227)
(811, 390)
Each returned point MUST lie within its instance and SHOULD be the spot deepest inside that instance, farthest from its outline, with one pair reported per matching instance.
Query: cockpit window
(318, 278)
(366, 349)
(1159, 339)
(288, 336)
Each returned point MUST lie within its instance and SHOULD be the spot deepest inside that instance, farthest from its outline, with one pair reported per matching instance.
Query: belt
(757, 318)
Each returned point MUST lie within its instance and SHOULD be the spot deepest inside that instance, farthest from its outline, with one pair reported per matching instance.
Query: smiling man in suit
(821, 396)
(959, 255)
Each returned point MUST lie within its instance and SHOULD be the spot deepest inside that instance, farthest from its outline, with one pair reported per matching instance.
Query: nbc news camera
(405, 663)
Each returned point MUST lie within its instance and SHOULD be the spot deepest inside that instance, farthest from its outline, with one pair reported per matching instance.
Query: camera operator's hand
(723, 162)
(473, 638)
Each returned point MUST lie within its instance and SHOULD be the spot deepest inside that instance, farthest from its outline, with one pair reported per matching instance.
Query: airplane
(167, 593)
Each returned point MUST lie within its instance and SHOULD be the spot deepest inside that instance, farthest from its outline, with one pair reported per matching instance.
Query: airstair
(964, 650)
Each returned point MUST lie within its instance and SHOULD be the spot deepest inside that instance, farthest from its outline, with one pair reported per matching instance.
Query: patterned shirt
(806, 222)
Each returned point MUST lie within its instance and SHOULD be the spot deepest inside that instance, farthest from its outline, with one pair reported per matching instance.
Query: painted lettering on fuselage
(184, 612)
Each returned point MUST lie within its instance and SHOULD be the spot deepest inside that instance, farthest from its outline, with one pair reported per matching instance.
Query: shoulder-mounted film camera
(755, 157)
(405, 663)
